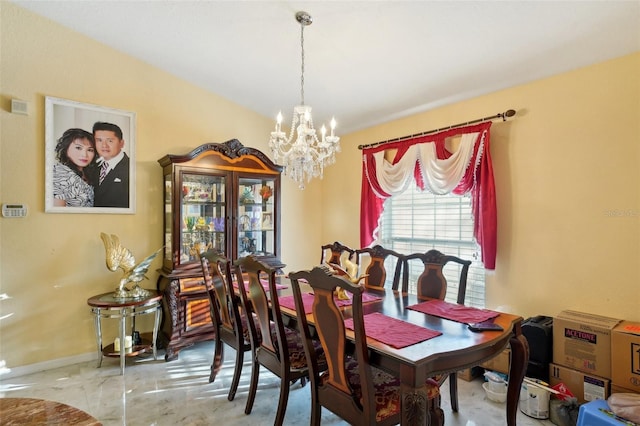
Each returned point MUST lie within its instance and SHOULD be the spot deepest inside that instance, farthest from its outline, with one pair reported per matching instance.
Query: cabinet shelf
(135, 350)
(201, 202)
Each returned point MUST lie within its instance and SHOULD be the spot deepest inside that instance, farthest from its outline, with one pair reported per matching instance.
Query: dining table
(448, 346)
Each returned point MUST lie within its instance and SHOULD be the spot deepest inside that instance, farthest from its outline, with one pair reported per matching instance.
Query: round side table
(107, 306)
(30, 411)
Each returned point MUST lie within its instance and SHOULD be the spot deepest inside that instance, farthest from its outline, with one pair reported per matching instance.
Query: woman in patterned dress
(76, 155)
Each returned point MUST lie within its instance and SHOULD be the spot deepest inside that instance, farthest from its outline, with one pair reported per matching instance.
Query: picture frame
(267, 221)
(69, 181)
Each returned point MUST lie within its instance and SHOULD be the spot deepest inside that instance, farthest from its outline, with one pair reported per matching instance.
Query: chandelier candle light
(305, 156)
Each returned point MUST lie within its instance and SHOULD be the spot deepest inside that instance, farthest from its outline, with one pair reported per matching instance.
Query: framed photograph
(267, 221)
(90, 158)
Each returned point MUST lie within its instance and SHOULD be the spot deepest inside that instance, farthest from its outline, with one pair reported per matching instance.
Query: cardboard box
(585, 387)
(469, 374)
(583, 342)
(625, 355)
(499, 363)
(618, 389)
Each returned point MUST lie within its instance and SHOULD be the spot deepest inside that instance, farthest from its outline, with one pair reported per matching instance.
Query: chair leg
(453, 391)
(282, 403)
(218, 355)
(316, 408)
(435, 413)
(253, 387)
(236, 374)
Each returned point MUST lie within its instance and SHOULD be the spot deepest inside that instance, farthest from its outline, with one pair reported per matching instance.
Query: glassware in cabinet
(256, 212)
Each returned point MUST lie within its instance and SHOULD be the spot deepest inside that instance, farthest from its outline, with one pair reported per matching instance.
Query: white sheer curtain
(440, 176)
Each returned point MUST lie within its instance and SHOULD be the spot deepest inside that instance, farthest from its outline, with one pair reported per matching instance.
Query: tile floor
(178, 393)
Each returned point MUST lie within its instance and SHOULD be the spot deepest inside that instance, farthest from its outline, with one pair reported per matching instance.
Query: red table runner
(392, 331)
(454, 312)
(307, 301)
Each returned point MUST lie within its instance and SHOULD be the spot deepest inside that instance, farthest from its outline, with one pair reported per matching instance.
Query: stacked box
(469, 374)
(619, 389)
(582, 341)
(625, 356)
(499, 363)
(583, 386)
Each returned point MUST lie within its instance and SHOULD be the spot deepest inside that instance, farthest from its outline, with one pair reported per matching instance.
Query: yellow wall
(52, 263)
(567, 170)
(569, 156)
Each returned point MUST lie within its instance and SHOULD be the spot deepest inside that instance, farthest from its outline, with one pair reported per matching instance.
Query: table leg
(517, 370)
(123, 320)
(133, 323)
(156, 324)
(413, 406)
(98, 325)
(417, 408)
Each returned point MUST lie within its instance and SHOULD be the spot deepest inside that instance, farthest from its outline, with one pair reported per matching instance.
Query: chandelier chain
(302, 64)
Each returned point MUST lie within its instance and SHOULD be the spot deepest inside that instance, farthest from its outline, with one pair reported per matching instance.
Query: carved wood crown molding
(231, 149)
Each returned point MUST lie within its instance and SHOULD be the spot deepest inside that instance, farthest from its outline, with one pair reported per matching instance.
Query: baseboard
(11, 372)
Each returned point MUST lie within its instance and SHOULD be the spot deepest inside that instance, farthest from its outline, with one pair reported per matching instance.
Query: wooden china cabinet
(221, 196)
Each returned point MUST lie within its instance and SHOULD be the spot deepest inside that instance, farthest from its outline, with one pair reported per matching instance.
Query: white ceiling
(366, 62)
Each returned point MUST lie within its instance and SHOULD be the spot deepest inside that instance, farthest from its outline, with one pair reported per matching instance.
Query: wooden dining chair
(432, 284)
(375, 270)
(280, 348)
(229, 320)
(350, 387)
(334, 253)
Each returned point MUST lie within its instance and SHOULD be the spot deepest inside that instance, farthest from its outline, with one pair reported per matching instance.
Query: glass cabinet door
(256, 216)
(203, 215)
(168, 221)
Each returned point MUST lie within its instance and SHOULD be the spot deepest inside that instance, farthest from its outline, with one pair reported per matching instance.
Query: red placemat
(392, 331)
(307, 301)
(366, 297)
(265, 285)
(454, 312)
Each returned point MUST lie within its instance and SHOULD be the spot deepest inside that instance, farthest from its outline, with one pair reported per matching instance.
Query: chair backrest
(273, 347)
(333, 253)
(334, 390)
(216, 270)
(375, 269)
(432, 282)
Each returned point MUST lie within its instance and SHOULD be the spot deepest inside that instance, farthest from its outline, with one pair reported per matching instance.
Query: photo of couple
(91, 169)
(88, 170)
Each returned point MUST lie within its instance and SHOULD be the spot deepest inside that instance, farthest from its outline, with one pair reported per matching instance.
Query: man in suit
(112, 188)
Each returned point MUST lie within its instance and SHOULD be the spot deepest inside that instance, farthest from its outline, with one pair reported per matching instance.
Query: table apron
(415, 375)
(127, 312)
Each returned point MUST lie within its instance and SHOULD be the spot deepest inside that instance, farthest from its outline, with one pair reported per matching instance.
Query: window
(416, 221)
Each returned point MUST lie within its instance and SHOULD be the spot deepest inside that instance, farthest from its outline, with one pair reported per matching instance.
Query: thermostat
(14, 210)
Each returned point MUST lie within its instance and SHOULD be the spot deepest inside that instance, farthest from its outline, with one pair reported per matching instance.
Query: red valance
(435, 164)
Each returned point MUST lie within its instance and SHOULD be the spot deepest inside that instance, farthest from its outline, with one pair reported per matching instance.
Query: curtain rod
(503, 115)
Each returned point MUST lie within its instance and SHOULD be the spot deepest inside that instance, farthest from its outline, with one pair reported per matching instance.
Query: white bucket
(534, 401)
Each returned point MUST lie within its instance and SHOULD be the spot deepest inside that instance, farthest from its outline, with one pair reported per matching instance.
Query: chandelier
(305, 156)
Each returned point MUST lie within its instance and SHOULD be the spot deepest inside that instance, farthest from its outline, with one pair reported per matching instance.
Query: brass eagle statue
(121, 257)
(350, 272)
